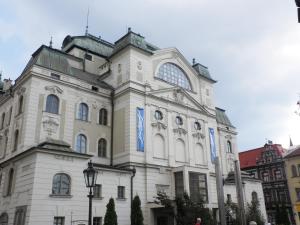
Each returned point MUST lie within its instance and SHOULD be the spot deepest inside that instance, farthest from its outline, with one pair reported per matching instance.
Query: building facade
(292, 169)
(267, 164)
(128, 106)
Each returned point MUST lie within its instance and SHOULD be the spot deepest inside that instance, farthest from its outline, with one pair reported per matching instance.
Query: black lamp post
(90, 176)
(298, 7)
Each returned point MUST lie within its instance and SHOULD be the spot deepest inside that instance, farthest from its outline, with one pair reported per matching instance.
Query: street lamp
(90, 177)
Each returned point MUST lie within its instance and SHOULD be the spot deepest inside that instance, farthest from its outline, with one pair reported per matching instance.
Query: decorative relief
(180, 131)
(178, 95)
(228, 136)
(21, 91)
(139, 65)
(159, 125)
(50, 125)
(54, 89)
(198, 135)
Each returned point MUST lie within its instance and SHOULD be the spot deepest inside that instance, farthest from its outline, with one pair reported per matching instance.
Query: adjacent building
(266, 163)
(139, 112)
(292, 168)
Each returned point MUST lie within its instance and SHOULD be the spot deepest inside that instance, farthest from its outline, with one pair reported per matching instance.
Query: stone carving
(198, 135)
(178, 95)
(139, 65)
(228, 136)
(50, 125)
(179, 131)
(21, 91)
(159, 125)
(54, 89)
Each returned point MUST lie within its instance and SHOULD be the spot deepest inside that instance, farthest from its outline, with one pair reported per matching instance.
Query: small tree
(254, 213)
(136, 212)
(110, 215)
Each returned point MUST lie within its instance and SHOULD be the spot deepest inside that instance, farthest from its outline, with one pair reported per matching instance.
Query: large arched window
(61, 184)
(10, 181)
(103, 116)
(229, 147)
(21, 100)
(173, 74)
(81, 143)
(52, 104)
(294, 171)
(83, 111)
(102, 147)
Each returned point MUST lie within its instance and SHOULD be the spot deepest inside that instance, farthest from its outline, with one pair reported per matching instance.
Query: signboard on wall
(140, 129)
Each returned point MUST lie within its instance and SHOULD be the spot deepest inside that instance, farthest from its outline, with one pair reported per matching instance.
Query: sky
(252, 48)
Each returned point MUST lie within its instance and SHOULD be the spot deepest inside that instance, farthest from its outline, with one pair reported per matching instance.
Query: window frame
(202, 190)
(98, 193)
(83, 112)
(121, 192)
(102, 148)
(179, 120)
(59, 191)
(79, 143)
(52, 104)
(16, 140)
(197, 126)
(103, 115)
(56, 222)
(11, 175)
(294, 171)
(158, 115)
(3, 120)
(229, 147)
(97, 222)
(20, 104)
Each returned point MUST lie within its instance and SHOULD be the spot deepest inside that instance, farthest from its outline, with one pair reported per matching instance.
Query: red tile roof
(248, 158)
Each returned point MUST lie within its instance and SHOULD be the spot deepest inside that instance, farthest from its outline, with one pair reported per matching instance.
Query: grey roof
(90, 43)
(222, 117)
(135, 40)
(203, 71)
(58, 61)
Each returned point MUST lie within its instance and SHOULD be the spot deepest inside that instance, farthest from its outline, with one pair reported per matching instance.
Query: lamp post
(90, 177)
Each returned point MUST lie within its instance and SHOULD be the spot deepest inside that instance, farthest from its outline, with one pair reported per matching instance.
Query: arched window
(81, 143)
(103, 116)
(229, 147)
(173, 74)
(21, 100)
(52, 104)
(10, 114)
(158, 115)
(178, 120)
(102, 147)
(254, 196)
(16, 140)
(294, 171)
(10, 181)
(61, 184)
(2, 120)
(3, 219)
(83, 111)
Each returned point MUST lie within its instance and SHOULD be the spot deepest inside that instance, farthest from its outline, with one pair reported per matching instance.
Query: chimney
(7, 83)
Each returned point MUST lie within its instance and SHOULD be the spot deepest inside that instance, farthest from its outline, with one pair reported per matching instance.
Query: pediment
(178, 95)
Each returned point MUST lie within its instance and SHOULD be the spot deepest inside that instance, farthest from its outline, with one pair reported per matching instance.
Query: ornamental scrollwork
(54, 89)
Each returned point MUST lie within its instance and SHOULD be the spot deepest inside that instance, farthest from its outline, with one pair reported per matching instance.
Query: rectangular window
(20, 215)
(55, 76)
(98, 191)
(278, 175)
(198, 186)
(97, 221)
(59, 220)
(121, 192)
(179, 188)
(161, 188)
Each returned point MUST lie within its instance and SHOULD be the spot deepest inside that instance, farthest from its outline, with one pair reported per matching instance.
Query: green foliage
(110, 215)
(253, 213)
(136, 212)
(185, 210)
(232, 211)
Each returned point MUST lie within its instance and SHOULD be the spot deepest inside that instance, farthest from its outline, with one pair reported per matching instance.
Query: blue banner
(213, 150)
(140, 129)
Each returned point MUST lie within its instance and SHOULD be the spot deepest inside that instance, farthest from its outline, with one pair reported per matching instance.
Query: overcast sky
(251, 47)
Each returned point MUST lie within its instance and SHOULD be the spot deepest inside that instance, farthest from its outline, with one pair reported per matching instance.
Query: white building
(123, 105)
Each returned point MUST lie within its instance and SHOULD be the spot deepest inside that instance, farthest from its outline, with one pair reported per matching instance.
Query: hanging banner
(213, 150)
(140, 129)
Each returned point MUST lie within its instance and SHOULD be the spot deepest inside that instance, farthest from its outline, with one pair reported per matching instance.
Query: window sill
(121, 199)
(51, 113)
(60, 196)
(98, 198)
(84, 121)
